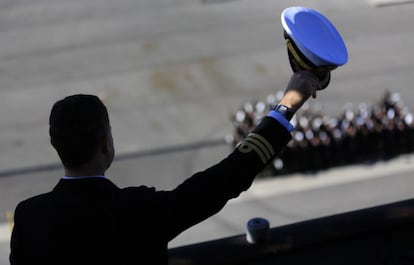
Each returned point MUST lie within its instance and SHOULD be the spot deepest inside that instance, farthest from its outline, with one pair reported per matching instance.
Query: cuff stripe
(259, 144)
(264, 142)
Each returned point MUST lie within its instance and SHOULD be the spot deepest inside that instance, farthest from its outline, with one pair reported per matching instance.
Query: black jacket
(92, 221)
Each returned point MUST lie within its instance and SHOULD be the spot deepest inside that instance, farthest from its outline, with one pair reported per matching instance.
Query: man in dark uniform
(86, 219)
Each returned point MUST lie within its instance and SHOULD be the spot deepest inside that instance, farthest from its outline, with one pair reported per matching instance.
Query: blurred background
(177, 75)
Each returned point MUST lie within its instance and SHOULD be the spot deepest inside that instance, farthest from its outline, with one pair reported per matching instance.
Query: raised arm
(206, 192)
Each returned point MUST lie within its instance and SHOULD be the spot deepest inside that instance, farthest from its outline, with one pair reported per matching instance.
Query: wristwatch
(284, 111)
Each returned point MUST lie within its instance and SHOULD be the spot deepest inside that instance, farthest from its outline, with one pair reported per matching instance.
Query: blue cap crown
(315, 36)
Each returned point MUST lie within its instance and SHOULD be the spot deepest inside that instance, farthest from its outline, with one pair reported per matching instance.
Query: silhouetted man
(86, 219)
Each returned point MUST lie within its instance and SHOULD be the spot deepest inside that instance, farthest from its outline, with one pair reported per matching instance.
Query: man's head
(80, 130)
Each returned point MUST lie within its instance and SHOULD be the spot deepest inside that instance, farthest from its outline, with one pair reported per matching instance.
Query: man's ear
(105, 145)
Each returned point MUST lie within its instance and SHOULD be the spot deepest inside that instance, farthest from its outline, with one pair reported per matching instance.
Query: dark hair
(77, 125)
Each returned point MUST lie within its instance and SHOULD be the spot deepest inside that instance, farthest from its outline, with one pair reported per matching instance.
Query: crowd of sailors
(362, 134)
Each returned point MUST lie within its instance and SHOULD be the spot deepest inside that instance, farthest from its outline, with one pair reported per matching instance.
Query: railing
(378, 235)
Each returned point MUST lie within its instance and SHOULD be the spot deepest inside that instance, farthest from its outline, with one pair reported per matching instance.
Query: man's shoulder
(143, 195)
(37, 200)
(139, 190)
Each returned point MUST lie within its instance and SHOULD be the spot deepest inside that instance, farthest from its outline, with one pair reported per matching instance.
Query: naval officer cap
(315, 36)
(313, 42)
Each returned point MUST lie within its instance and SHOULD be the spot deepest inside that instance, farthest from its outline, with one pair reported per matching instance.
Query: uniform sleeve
(206, 192)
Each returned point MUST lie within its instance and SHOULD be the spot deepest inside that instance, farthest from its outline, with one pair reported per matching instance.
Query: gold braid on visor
(299, 62)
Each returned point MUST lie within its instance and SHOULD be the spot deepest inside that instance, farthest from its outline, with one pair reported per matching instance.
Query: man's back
(90, 221)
